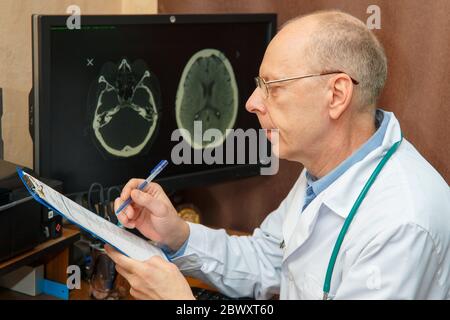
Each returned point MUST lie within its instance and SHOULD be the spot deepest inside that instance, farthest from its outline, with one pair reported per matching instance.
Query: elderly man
(368, 218)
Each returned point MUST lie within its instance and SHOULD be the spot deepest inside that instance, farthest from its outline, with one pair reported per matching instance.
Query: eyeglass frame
(258, 80)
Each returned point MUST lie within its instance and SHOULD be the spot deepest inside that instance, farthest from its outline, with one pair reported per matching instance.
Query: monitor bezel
(40, 94)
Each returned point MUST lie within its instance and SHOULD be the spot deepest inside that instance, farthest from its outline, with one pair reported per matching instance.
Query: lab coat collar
(342, 194)
(339, 197)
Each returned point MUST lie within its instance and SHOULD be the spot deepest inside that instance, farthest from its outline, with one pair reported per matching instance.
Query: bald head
(333, 40)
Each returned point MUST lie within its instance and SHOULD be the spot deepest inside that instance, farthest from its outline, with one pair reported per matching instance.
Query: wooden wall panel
(415, 35)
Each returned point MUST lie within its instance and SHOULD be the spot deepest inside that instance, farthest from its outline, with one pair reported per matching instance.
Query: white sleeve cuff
(195, 249)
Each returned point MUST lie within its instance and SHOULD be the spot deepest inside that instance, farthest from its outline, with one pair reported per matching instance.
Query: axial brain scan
(207, 92)
(126, 102)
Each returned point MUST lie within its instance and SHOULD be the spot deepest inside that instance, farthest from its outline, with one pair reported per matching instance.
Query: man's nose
(255, 102)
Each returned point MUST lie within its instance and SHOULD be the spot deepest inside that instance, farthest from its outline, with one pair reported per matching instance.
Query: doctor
(368, 218)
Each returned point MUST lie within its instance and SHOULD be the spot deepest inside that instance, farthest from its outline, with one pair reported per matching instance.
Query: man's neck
(342, 143)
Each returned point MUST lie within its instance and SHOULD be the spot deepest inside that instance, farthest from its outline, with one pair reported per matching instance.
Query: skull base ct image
(124, 109)
(207, 93)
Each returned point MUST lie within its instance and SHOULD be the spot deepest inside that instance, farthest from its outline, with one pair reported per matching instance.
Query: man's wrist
(181, 239)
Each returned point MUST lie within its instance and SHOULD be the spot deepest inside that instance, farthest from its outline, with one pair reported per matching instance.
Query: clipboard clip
(29, 183)
(38, 190)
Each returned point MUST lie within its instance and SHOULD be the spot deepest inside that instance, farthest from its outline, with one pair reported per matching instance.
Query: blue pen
(159, 167)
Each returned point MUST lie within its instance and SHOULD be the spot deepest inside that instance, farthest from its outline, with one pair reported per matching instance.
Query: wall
(15, 60)
(415, 36)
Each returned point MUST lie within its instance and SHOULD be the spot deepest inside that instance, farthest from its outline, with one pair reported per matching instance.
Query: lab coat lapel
(339, 197)
(303, 226)
(293, 211)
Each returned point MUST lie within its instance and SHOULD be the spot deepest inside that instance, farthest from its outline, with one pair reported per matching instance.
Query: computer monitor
(108, 96)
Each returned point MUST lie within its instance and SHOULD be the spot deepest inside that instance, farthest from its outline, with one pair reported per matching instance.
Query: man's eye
(274, 89)
(276, 85)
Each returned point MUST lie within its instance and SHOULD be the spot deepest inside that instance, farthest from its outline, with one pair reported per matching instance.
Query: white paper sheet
(128, 243)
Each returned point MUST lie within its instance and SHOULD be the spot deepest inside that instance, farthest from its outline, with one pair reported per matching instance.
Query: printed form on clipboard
(124, 241)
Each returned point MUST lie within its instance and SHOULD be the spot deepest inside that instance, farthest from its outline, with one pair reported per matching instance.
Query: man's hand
(151, 279)
(153, 214)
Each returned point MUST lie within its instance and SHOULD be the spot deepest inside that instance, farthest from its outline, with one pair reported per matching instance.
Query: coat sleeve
(238, 266)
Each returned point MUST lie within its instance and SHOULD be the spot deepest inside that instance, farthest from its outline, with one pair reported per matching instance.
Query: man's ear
(341, 87)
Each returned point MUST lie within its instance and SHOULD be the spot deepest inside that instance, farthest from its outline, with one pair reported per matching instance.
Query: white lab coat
(397, 247)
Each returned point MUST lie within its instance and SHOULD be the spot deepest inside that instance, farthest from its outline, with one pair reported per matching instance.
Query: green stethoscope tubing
(351, 215)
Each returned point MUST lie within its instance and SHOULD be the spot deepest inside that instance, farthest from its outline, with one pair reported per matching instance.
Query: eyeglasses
(264, 85)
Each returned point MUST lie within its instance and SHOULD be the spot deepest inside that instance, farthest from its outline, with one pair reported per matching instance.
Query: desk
(83, 293)
(54, 254)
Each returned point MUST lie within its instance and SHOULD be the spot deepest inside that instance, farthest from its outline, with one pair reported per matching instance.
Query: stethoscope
(351, 215)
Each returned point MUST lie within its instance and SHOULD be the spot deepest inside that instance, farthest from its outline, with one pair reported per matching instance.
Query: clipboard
(102, 229)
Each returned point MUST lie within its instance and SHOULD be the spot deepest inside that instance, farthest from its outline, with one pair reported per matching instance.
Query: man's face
(296, 108)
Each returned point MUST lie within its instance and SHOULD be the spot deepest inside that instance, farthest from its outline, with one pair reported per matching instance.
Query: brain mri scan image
(125, 103)
(207, 92)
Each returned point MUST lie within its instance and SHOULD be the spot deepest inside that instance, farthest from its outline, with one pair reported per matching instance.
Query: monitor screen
(110, 95)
